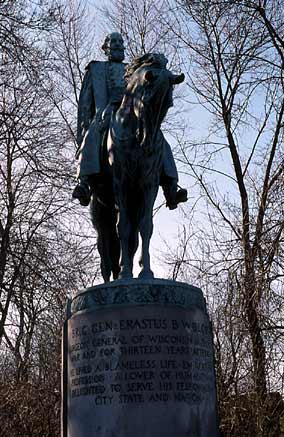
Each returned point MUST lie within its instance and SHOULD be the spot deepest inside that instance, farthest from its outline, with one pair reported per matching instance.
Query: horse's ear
(149, 76)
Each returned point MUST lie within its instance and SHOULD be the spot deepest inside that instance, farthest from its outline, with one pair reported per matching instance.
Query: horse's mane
(157, 60)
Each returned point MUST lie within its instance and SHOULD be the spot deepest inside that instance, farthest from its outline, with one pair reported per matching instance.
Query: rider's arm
(86, 107)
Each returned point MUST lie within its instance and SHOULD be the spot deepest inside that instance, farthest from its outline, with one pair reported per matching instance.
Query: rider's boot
(173, 194)
(82, 191)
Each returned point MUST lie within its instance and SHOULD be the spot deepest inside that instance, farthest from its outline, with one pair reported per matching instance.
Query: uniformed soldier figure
(101, 94)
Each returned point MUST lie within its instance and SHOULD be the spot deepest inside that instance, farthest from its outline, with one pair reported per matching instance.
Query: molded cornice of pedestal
(122, 293)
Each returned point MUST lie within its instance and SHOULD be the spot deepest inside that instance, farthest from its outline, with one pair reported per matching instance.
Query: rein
(156, 125)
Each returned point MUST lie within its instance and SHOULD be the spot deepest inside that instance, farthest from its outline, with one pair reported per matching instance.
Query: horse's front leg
(124, 232)
(146, 230)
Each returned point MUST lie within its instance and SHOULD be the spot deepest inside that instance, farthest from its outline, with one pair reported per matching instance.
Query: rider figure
(101, 94)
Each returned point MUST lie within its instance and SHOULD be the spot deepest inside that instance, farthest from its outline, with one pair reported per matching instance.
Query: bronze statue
(104, 106)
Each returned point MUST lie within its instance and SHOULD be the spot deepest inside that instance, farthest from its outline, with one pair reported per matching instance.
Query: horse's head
(150, 87)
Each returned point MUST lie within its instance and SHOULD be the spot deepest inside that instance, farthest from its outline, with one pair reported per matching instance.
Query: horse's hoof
(125, 275)
(146, 274)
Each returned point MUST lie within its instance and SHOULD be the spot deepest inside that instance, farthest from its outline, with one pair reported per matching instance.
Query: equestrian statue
(123, 155)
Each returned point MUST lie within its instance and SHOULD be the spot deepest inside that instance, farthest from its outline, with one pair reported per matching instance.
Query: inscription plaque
(142, 370)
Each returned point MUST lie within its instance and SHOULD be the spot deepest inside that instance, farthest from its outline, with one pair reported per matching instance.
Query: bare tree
(235, 73)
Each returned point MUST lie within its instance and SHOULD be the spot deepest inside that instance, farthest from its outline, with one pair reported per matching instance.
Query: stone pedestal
(139, 362)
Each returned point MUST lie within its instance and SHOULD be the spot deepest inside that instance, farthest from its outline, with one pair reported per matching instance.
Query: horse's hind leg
(133, 245)
(115, 253)
(105, 259)
(100, 217)
(124, 232)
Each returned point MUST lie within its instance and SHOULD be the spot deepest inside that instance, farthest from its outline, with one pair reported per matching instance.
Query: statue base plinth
(139, 362)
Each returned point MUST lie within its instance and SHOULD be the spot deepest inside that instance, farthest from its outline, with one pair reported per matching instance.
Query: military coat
(103, 85)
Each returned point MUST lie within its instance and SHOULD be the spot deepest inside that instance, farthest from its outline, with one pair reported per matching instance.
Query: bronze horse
(122, 203)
